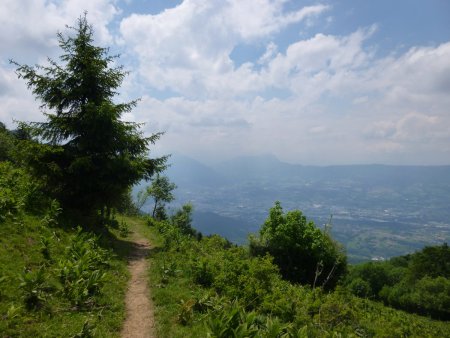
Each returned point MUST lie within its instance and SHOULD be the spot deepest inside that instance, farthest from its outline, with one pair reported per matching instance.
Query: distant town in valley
(376, 211)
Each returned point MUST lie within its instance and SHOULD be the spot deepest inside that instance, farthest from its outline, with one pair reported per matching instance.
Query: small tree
(304, 253)
(90, 157)
(161, 192)
(183, 219)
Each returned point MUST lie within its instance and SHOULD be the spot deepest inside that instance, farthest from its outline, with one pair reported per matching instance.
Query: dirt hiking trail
(139, 322)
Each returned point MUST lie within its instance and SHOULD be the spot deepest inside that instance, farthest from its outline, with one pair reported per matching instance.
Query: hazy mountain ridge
(378, 210)
(187, 172)
(256, 167)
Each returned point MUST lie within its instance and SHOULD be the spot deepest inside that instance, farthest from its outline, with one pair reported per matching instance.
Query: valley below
(375, 211)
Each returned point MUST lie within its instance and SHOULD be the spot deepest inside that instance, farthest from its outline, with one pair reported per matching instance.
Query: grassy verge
(167, 297)
(169, 290)
(60, 282)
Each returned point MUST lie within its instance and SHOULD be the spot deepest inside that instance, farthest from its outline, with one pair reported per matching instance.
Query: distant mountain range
(185, 170)
(378, 210)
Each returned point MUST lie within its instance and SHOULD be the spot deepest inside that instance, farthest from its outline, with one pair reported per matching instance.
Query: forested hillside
(418, 282)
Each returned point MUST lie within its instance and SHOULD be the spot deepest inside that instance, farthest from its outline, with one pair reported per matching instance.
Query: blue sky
(312, 82)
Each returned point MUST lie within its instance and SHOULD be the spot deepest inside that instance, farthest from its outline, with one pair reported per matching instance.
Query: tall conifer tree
(86, 155)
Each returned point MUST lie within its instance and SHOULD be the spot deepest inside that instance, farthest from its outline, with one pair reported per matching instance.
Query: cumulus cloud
(28, 36)
(345, 106)
(187, 48)
(323, 98)
(29, 26)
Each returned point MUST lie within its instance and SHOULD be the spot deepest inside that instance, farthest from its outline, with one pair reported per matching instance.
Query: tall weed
(34, 287)
(82, 271)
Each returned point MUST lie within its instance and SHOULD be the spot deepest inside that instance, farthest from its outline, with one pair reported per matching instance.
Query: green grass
(22, 242)
(183, 307)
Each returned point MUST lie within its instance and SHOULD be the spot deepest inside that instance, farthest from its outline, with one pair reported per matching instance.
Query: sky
(311, 82)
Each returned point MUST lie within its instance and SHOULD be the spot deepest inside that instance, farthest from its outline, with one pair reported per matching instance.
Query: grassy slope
(20, 249)
(176, 297)
(173, 291)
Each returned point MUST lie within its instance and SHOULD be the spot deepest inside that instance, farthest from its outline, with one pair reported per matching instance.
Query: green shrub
(433, 261)
(361, 288)
(124, 229)
(202, 272)
(415, 283)
(304, 253)
(15, 188)
(232, 320)
(52, 214)
(45, 242)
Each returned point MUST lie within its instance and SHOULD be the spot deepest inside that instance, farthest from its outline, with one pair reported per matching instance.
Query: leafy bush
(433, 261)
(428, 296)
(203, 272)
(52, 214)
(304, 253)
(361, 288)
(6, 143)
(233, 321)
(124, 229)
(374, 274)
(171, 234)
(416, 282)
(249, 279)
(182, 219)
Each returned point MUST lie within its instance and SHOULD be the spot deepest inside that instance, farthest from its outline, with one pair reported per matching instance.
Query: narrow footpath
(139, 322)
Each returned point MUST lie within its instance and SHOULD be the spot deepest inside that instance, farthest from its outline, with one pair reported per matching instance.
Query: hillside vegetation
(418, 282)
(62, 264)
(210, 287)
(56, 280)
(63, 253)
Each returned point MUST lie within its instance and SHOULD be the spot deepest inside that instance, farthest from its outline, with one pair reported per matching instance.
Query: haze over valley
(377, 211)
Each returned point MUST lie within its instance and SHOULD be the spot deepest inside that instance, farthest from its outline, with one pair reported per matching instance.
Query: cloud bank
(313, 98)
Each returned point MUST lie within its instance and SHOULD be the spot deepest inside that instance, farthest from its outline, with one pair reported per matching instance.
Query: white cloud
(256, 18)
(323, 98)
(187, 48)
(28, 36)
(356, 109)
(269, 54)
(30, 26)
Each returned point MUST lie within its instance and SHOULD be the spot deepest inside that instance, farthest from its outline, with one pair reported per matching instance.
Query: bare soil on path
(139, 322)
